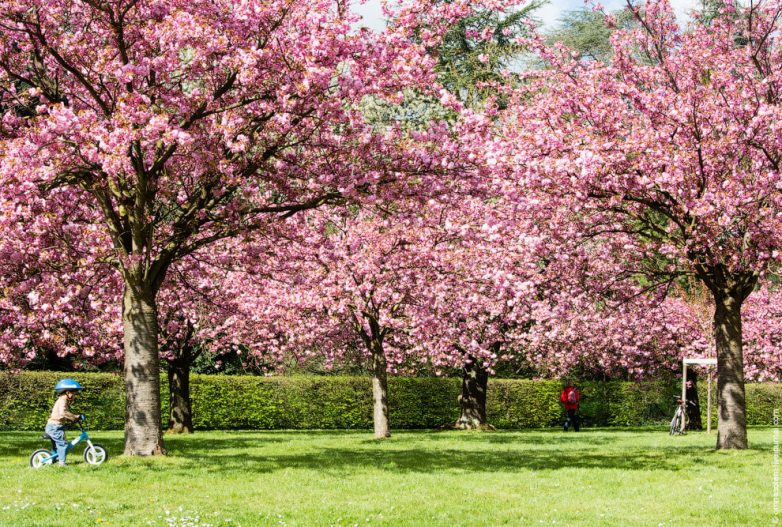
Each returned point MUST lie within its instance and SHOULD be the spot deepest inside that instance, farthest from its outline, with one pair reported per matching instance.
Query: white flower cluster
(182, 518)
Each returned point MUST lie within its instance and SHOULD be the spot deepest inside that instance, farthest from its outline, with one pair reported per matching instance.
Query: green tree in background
(586, 32)
(482, 50)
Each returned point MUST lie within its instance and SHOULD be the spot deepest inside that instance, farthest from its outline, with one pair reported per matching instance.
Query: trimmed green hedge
(223, 402)
(26, 399)
(243, 402)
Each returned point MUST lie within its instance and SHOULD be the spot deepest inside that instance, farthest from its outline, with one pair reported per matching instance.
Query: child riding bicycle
(66, 390)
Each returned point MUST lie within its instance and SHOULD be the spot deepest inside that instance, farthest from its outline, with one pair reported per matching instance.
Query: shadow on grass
(427, 461)
(535, 437)
(430, 452)
(346, 452)
(22, 444)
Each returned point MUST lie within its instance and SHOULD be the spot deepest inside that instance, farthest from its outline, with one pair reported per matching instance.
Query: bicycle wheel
(95, 455)
(40, 458)
(676, 423)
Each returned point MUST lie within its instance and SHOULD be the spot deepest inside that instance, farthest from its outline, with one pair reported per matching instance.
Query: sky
(549, 14)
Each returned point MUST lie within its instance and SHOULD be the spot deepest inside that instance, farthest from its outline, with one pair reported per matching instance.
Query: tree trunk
(694, 409)
(380, 391)
(472, 401)
(731, 404)
(180, 420)
(143, 430)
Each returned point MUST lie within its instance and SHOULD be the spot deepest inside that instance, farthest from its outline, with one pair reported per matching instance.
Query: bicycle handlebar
(82, 422)
(680, 401)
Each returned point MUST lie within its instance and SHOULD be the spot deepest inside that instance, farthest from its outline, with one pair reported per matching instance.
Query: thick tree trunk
(180, 420)
(380, 391)
(143, 430)
(472, 401)
(694, 409)
(731, 420)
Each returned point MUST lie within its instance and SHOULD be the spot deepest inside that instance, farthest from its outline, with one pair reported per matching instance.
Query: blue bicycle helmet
(66, 385)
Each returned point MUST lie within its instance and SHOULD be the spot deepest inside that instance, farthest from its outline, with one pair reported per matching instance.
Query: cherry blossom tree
(763, 335)
(352, 284)
(670, 154)
(198, 314)
(179, 124)
(52, 304)
(377, 280)
(488, 281)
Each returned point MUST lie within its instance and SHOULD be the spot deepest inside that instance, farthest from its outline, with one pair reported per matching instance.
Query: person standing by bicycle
(571, 398)
(66, 390)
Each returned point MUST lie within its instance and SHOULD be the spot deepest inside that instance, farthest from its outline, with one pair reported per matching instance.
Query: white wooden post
(701, 362)
(684, 394)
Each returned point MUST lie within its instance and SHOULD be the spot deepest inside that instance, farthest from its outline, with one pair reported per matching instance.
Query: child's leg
(58, 434)
(571, 420)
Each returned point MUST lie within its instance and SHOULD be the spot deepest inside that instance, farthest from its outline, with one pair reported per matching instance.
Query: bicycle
(94, 454)
(678, 416)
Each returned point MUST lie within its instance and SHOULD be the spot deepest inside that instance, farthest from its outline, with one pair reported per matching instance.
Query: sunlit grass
(595, 478)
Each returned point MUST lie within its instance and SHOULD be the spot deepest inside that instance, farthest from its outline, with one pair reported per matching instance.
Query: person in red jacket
(570, 398)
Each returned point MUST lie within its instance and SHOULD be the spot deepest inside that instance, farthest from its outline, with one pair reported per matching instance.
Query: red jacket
(565, 395)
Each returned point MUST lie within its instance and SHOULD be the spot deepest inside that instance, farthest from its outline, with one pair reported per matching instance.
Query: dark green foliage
(585, 32)
(711, 10)
(423, 402)
(332, 402)
(762, 400)
(469, 65)
(26, 399)
(619, 403)
(514, 403)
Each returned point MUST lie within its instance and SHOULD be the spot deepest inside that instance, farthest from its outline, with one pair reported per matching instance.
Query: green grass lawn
(596, 477)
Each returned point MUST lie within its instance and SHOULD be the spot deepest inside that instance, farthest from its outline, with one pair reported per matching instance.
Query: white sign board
(702, 362)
